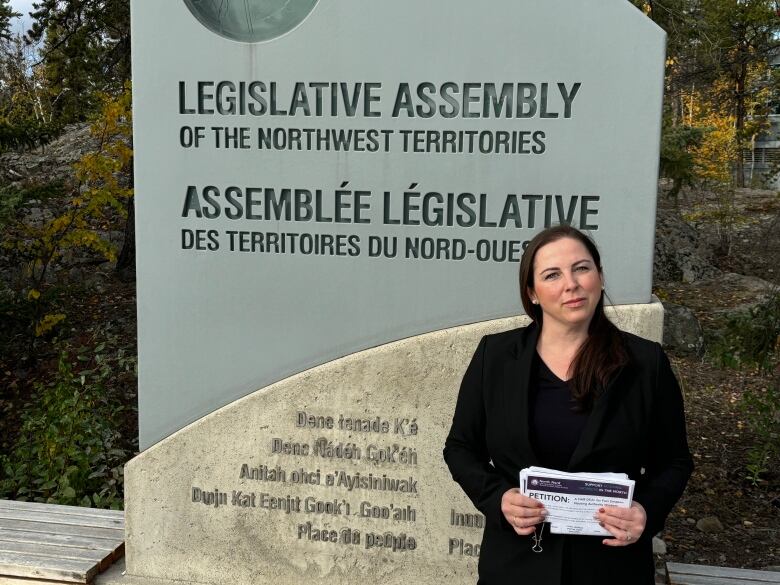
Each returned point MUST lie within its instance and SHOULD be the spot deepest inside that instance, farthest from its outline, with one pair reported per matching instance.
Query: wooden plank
(109, 560)
(57, 543)
(107, 551)
(678, 579)
(104, 533)
(61, 518)
(68, 570)
(5, 580)
(54, 508)
(53, 550)
(42, 539)
(680, 570)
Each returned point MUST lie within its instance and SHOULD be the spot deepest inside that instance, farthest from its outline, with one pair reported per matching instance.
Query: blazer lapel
(517, 372)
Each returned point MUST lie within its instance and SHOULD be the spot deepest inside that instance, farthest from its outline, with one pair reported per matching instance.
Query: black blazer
(636, 426)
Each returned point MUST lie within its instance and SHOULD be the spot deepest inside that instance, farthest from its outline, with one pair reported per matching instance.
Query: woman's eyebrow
(574, 264)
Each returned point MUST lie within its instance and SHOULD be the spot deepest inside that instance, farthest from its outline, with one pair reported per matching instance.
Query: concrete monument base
(334, 475)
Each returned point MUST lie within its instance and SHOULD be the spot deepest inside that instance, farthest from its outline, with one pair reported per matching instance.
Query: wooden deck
(57, 544)
(682, 574)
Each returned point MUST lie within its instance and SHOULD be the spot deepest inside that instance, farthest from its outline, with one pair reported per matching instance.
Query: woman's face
(567, 283)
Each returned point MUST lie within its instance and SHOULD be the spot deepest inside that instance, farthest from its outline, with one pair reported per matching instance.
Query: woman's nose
(570, 280)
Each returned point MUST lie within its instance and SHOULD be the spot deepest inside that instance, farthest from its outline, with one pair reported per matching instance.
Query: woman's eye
(550, 275)
(582, 268)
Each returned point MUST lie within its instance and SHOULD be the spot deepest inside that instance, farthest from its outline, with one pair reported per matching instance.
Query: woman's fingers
(625, 524)
(525, 525)
(522, 513)
(620, 536)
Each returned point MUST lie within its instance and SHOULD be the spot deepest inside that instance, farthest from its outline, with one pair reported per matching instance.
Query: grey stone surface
(682, 331)
(659, 546)
(194, 514)
(54, 162)
(710, 525)
(680, 253)
(760, 291)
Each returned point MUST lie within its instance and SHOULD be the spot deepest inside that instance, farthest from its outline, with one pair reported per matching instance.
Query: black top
(555, 421)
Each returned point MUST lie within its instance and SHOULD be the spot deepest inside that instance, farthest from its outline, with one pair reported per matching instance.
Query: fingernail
(601, 524)
(543, 512)
(596, 516)
(602, 510)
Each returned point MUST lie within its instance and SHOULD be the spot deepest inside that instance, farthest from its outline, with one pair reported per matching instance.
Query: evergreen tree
(86, 50)
(6, 15)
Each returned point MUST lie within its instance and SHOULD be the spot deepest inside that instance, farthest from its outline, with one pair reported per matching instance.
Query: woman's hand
(625, 524)
(522, 512)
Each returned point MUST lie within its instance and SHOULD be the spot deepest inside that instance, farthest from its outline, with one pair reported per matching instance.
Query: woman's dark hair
(604, 352)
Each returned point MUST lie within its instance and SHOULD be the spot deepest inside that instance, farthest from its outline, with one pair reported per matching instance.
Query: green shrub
(749, 338)
(762, 409)
(69, 449)
(752, 339)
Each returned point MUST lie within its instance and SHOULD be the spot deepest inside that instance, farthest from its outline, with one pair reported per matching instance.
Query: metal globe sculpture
(250, 21)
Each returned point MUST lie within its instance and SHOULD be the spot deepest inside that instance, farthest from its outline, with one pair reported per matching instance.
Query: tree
(6, 15)
(86, 51)
(26, 116)
(718, 52)
(745, 35)
(75, 216)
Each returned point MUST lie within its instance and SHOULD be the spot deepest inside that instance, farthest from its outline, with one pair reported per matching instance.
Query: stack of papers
(571, 499)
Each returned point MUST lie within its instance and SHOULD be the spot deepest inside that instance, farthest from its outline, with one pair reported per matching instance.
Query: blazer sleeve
(669, 463)
(465, 449)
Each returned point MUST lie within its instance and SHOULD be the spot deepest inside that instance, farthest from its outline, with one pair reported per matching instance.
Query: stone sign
(318, 178)
(333, 476)
(332, 201)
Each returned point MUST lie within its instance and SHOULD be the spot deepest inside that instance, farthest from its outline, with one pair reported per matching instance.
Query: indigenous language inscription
(358, 489)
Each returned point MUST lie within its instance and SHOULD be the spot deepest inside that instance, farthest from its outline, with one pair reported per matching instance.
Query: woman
(570, 392)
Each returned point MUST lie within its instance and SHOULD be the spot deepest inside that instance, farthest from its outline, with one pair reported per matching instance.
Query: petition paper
(571, 499)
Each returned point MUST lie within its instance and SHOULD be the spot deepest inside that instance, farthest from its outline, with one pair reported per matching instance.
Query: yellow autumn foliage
(47, 323)
(95, 205)
(714, 158)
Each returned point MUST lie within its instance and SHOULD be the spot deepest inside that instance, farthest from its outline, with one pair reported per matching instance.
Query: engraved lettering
(364, 425)
(458, 546)
(214, 497)
(309, 532)
(392, 454)
(263, 473)
(372, 482)
(301, 476)
(391, 512)
(322, 447)
(388, 540)
(332, 507)
(289, 448)
(311, 421)
(466, 520)
(286, 504)
(405, 427)
(243, 500)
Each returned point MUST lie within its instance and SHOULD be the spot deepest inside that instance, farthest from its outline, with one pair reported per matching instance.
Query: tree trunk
(739, 115)
(126, 260)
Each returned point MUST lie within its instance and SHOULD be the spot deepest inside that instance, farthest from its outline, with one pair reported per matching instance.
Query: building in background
(762, 162)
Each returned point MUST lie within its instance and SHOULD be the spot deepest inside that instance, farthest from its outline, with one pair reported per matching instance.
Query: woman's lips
(574, 302)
